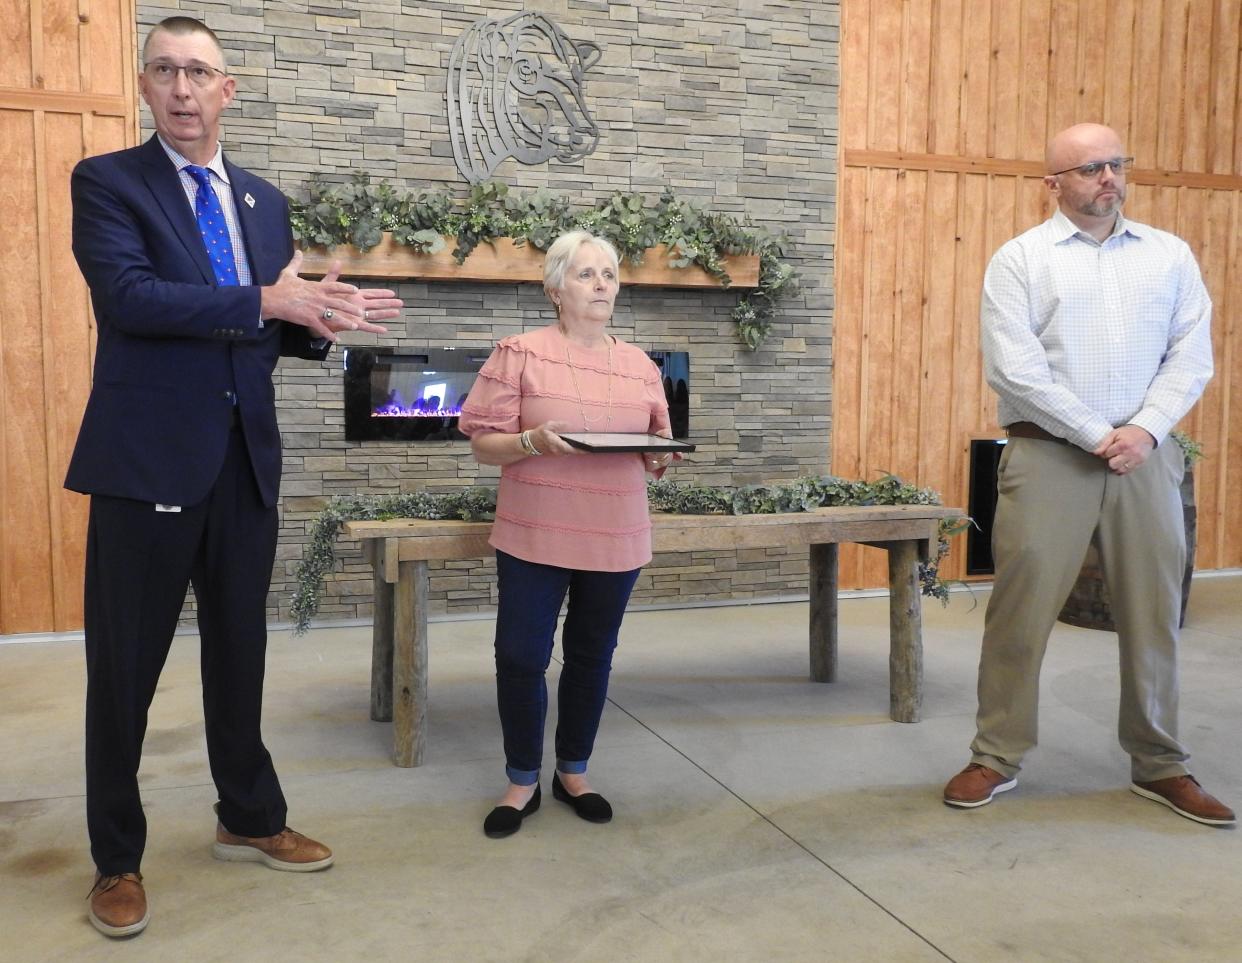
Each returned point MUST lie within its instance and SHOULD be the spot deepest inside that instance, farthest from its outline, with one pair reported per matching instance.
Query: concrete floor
(760, 816)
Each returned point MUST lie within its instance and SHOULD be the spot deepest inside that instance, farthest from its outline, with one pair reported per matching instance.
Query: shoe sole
(1156, 797)
(976, 803)
(133, 929)
(248, 854)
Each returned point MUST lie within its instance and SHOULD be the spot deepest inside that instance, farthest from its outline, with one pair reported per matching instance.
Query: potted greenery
(675, 236)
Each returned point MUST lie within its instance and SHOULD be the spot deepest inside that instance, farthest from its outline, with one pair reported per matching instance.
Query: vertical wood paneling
(1006, 79)
(1033, 86)
(47, 339)
(67, 365)
(946, 69)
(886, 87)
(26, 538)
(1197, 87)
(852, 100)
(15, 65)
(1227, 525)
(1119, 79)
(1063, 66)
(848, 330)
(975, 90)
(1170, 81)
(61, 55)
(1000, 78)
(1145, 120)
(911, 319)
(941, 309)
(915, 75)
(1226, 109)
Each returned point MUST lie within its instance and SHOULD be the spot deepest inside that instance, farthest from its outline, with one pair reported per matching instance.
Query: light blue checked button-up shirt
(1081, 337)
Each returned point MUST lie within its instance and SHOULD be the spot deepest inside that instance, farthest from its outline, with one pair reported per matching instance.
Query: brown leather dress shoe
(975, 786)
(288, 850)
(1186, 797)
(119, 905)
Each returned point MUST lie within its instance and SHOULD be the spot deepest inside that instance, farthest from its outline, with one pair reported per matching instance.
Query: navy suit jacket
(173, 348)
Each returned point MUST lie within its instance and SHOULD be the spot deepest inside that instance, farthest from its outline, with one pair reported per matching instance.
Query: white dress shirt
(220, 184)
(1081, 336)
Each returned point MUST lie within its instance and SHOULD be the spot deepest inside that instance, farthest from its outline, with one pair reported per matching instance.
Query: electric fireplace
(416, 394)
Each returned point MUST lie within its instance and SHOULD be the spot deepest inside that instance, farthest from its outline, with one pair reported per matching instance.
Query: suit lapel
(255, 221)
(165, 184)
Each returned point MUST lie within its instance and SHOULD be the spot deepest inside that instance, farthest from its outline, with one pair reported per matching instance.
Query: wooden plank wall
(946, 106)
(67, 90)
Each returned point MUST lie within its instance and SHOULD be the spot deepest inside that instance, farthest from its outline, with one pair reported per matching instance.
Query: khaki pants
(1051, 499)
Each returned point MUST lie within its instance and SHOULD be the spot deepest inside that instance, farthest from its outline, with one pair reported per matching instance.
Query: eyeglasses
(165, 74)
(1090, 172)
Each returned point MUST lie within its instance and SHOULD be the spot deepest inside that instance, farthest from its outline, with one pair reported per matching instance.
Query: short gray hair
(182, 27)
(562, 251)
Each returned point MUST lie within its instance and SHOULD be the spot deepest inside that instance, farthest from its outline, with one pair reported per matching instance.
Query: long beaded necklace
(586, 420)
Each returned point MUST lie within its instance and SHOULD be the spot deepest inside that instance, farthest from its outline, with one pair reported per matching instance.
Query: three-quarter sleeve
(495, 401)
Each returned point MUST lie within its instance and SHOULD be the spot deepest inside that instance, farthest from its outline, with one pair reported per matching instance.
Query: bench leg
(409, 680)
(381, 641)
(905, 627)
(823, 579)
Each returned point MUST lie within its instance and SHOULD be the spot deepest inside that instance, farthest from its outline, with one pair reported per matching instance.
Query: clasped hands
(328, 306)
(1125, 448)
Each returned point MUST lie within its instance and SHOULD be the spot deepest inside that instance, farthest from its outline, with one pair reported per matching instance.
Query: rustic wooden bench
(400, 550)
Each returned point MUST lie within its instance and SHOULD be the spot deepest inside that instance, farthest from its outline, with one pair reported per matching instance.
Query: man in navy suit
(180, 452)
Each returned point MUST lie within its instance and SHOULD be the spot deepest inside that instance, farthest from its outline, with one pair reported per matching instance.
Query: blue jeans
(529, 605)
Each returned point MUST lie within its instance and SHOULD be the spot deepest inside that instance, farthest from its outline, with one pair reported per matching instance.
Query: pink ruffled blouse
(582, 511)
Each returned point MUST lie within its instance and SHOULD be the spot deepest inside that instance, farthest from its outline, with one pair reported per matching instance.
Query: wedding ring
(328, 314)
(366, 315)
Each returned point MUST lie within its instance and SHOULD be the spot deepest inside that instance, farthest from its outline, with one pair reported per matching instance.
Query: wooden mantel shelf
(507, 263)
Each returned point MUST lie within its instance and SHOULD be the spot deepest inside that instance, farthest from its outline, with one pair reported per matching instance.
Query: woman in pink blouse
(567, 522)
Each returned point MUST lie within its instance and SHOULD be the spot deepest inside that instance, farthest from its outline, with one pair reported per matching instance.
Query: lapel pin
(249, 200)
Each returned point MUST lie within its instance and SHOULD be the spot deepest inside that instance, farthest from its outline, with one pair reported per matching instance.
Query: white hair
(562, 251)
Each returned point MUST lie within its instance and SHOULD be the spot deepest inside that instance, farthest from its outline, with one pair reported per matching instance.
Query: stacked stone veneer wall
(733, 104)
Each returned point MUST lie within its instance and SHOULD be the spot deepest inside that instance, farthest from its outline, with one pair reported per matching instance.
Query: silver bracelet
(528, 446)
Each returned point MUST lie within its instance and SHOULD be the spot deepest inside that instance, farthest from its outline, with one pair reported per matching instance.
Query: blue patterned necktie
(212, 226)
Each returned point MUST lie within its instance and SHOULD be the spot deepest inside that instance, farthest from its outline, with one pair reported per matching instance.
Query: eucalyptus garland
(358, 212)
(478, 503)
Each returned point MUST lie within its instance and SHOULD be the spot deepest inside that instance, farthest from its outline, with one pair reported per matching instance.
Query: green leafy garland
(478, 503)
(358, 212)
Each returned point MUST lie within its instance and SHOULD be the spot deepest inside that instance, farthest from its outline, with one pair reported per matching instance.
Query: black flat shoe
(590, 806)
(505, 820)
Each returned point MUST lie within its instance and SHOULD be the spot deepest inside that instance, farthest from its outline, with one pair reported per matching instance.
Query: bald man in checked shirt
(1096, 338)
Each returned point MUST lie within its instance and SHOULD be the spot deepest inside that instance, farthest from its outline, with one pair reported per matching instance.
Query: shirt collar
(1063, 228)
(215, 165)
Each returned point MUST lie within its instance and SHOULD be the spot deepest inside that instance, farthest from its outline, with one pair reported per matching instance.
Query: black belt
(1028, 429)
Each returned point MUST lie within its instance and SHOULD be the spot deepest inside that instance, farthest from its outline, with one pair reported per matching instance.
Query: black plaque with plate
(617, 441)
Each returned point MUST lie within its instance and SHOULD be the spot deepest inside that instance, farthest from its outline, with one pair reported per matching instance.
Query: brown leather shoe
(288, 850)
(975, 786)
(1186, 797)
(119, 905)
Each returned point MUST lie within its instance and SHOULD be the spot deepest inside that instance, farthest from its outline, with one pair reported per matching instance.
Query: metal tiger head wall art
(515, 89)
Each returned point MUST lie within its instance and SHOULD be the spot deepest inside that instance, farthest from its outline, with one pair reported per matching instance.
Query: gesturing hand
(328, 306)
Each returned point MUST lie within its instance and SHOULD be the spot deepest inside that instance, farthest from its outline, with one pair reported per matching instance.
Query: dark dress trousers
(180, 452)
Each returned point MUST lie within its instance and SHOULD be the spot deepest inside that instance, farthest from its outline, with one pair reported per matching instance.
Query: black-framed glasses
(165, 74)
(1090, 172)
